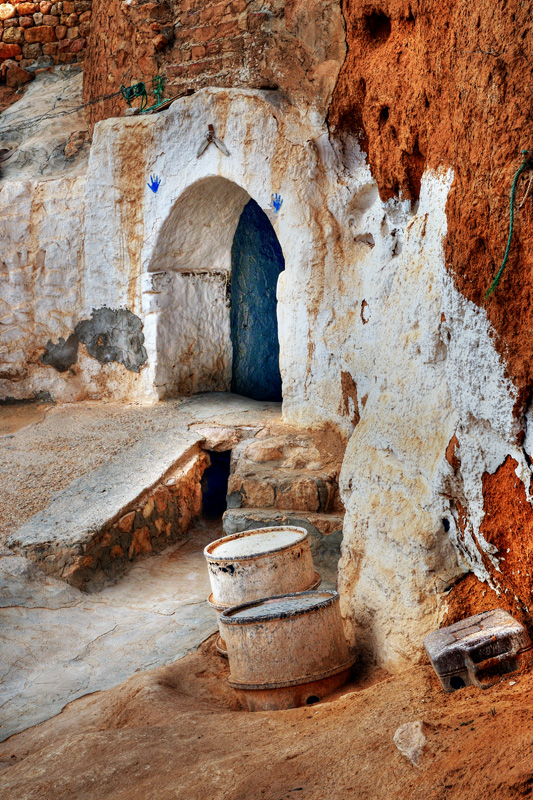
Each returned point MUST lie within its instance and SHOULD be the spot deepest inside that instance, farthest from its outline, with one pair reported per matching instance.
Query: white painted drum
(294, 640)
(260, 563)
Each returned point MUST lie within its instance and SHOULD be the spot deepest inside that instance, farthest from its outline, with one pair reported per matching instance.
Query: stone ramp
(142, 501)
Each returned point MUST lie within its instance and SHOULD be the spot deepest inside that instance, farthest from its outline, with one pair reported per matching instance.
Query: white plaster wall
(426, 367)
(42, 275)
(193, 332)
(40, 272)
(272, 149)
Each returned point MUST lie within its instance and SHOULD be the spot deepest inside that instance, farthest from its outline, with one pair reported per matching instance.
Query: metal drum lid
(255, 543)
(281, 607)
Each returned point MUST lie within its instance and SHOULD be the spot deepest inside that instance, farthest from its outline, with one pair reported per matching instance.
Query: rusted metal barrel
(286, 651)
(260, 563)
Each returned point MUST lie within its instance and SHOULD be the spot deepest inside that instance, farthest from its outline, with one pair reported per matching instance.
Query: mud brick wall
(40, 35)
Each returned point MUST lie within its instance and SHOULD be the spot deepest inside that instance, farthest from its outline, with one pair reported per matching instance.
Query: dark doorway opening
(215, 484)
(256, 263)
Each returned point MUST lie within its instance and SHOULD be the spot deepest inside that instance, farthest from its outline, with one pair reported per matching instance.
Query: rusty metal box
(478, 650)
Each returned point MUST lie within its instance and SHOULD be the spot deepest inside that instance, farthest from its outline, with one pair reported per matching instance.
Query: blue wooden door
(256, 262)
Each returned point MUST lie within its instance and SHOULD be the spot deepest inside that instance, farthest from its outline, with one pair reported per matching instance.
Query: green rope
(527, 163)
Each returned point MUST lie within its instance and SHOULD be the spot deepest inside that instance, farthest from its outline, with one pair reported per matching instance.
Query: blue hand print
(155, 180)
(277, 202)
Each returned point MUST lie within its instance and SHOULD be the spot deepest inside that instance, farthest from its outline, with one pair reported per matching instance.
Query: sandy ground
(42, 453)
(176, 732)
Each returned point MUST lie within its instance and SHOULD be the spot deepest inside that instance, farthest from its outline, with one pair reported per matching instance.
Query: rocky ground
(177, 732)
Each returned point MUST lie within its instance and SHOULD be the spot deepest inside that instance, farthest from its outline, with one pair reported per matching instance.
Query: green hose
(527, 163)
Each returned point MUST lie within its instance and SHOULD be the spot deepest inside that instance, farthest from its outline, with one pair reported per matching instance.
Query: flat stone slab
(59, 644)
(91, 502)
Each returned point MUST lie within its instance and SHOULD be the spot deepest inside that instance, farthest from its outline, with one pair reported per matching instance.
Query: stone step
(138, 503)
(325, 532)
(296, 490)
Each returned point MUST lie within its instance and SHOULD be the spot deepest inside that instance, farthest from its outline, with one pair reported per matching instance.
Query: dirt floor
(177, 732)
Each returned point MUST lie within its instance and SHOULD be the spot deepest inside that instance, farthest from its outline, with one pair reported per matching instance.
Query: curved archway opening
(217, 261)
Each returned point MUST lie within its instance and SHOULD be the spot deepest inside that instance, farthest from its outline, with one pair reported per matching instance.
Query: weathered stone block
(32, 50)
(125, 523)
(15, 76)
(9, 50)
(7, 11)
(13, 36)
(299, 495)
(38, 18)
(49, 19)
(26, 22)
(41, 33)
(261, 451)
(258, 494)
(141, 543)
(77, 45)
(61, 32)
(27, 8)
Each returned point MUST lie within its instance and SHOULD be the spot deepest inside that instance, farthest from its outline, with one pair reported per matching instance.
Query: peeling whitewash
(365, 291)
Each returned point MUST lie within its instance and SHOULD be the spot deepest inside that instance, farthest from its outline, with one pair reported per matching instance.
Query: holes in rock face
(410, 19)
(383, 116)
(215, 484)
(457, 683)
(378, 26)
(365, 238)
(446, 524)
(312, 699)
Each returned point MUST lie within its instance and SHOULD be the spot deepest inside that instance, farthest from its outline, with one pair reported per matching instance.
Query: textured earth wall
(431, 87)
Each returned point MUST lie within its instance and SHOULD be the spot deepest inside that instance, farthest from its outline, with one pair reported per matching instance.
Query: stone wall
(160, 516)
(39, 35)
(296, 46)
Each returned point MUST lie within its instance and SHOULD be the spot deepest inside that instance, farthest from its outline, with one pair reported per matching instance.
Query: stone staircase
(289, 477)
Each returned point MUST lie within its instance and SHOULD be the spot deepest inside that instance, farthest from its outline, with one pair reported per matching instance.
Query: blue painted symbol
(155, 180)
(277, 202)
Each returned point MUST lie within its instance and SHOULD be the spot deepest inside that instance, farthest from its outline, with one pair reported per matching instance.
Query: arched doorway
(212, 297)
(256, 263)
